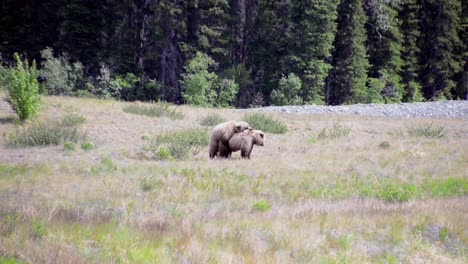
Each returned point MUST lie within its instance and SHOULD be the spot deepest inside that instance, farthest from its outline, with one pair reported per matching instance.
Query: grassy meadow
(96, 181)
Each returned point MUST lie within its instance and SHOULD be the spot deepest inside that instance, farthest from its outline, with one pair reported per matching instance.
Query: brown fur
(221, 134)
(245, 141)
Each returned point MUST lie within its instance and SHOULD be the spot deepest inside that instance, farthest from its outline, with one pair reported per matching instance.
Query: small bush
(384, 145)
(443, 234)
(158, 109)
(163, 154)
(148, 184)
(261, 206)
(60, 76)
(87, 145)
(212, 120)
(336, 131)
(178, 144)
(427, 130)
(69, 146)
(288, 89)
(396, 192)
(37, 229)
(23, 91)
(266, 123)
(52, 132)
(190, 137)
(447, 187)
(73, 119)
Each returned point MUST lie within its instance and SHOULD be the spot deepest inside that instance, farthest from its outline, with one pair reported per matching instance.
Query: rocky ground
(426, 109)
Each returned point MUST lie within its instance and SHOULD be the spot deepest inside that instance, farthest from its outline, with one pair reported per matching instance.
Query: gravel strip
(426, 109)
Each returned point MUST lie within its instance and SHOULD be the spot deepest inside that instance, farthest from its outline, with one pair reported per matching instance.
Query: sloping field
(334, 188)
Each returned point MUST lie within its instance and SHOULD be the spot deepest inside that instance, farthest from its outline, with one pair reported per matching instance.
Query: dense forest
(243, 52)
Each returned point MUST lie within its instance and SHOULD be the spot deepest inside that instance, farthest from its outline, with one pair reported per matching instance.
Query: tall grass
(212, 119)
(179, 144)
(49, 132)
(266, 123)
(427, 130)
(159, 109)
(336, 131)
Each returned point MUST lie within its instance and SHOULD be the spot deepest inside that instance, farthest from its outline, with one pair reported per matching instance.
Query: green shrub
(163, 154)
(105, 87)
(73, 119)
(190, 137)
(447, 187)
(69, 146)
(61, 77)
(180, 144)
(261, 206)
(37, 229)
(9, 260)
(266, 123)
(427, 130)
(154, 110)
(23, 91)
(336, 131)
(148, 184)
(396, 192)
(87, 145)
(212, 120)
(203, 87)
(52, 132)
(288, 91)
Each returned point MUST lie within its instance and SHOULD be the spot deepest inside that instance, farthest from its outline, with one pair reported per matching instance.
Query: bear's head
(240, 126)
(259, 137)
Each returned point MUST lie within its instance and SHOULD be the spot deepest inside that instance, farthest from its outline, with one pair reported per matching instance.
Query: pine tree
(384, 49)
(350, 63)
(314, 32)
(410, 51)
(440, 26)
(271, 50)
(81, 32)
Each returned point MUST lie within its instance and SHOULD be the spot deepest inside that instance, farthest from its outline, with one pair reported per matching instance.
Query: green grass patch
(212, 119)
(179, 144)
(87, 145)
(447, 187)
(266, 123)
(337, 130)
(261, 206)
(44, 133)
(9, 260)
(158, 109)
(427, 130)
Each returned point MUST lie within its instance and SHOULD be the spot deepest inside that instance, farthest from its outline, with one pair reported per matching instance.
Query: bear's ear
(262, 135)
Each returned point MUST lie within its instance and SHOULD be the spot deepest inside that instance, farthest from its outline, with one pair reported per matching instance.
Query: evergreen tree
(384, 49)
(440, 25)
(461, 91)
(81, 32)
(350, 63)
(315, 29)
(410, 51)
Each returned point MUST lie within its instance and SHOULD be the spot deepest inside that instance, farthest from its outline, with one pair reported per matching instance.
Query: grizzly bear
(221, 134)
(245, 141)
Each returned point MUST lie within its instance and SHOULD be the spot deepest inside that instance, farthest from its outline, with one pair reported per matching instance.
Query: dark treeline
(258, 52)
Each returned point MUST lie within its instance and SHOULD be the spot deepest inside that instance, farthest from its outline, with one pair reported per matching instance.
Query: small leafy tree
(202, 87)
(61, 77)
(198, 82)
(106, 87)
(23, 91)
(288, 91)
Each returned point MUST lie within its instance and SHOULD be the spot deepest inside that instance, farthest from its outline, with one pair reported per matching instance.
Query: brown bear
(245, 141)
(221, 134)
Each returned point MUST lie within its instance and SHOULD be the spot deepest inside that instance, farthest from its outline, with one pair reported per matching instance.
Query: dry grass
(296, 200)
